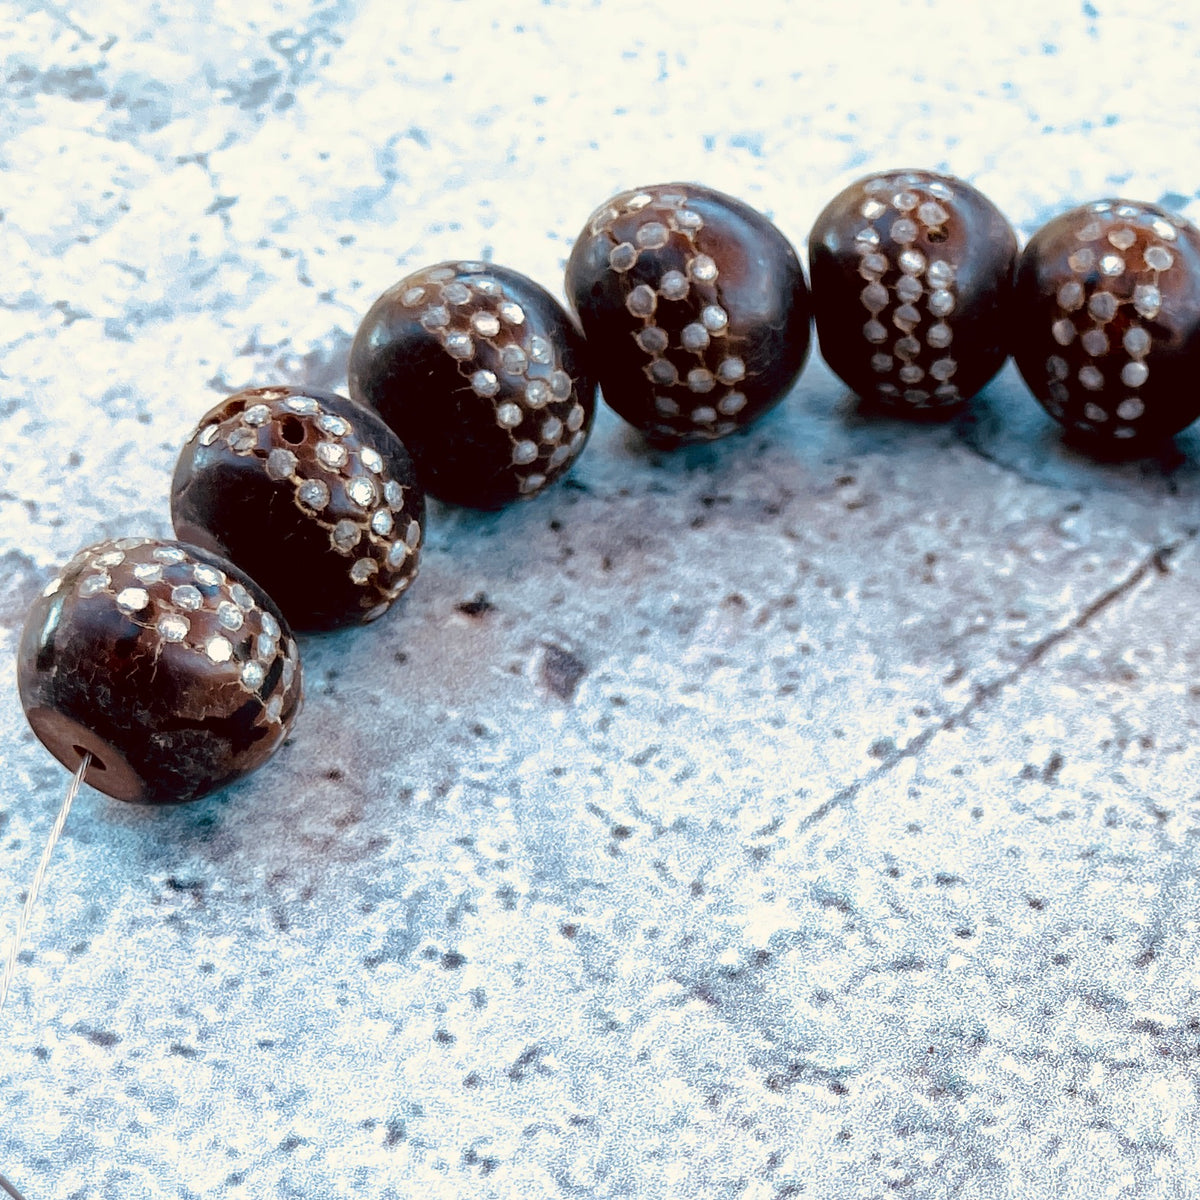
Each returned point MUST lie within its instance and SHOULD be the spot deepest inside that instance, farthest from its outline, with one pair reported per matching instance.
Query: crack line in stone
(1154, 563)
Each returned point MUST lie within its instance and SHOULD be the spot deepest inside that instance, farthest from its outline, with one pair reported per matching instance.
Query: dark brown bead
(1107, 331)
(172, 668)
(311, 494)
(695, 309)
(912, 277)
(482, 375)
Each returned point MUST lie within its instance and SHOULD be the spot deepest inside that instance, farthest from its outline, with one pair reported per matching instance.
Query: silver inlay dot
(700, 380)
(229, 616)
(694, 337)
(1103, 306)
(187, 597)
(912, 262)
(575, 418)
(875, 332)
(487, 325)
(1094, 342)
(332, 455)
(346, 535)
(524, 453)
(371, 459)
(363, 569)
(485, 383)
(1091, 378)
(731, 370)
(1112, 265)
(652, 339)
(734, 402)
(714, 318)
(1147, 299)
(537, 393)
(1063, 331)
(172, 627)
(456, 293)
(132, 599)
(939, 335)
(393, 493)
(435, 317)
(1134, 374)
(941, 303)
(909, 289)
(623, 256)
(508, 416)
(253, 674)
(552, 429)
(1130, 408)
(652, 236)
(361, 491)
(302, 404)
(1159, 258)
(218, 648)
(1137, 341)
(673, 285)
(333, 425)
(313, 494)
(642, 301)
(703, 268)
(460, 346)
(932, 213)
(270, 626)
(169, 555)
(875, 297)
(512, 312)
(1070, 295)
(207, 576)
(904, 231)
(241, 597)
(148, 572)
(256, 415)
(514, 360)
(540, 350)
(281, 464)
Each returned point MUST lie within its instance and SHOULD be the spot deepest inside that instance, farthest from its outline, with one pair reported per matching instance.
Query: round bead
(172, 668)
(912, 276)
(1107, 326)
(482, 375)
(310, 493)
(695, 308)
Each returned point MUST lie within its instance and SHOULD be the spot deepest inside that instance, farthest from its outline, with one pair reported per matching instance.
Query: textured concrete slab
(810, 814)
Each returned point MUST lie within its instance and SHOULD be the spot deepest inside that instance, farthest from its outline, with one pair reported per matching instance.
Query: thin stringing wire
(39, 878)
(8, 1187)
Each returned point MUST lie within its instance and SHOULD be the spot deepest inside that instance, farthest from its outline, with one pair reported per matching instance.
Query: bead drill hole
(96, 764)
(292, 430)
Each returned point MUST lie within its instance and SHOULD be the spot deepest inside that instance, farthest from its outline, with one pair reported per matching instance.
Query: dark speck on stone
(476, 606)
(452, 960)
(98, 1037)
(562, 671)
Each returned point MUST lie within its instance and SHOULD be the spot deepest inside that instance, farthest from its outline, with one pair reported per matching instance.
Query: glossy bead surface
(912, 276)
(172, 667)
(1108, 321)
(695, 308)
(310, 494)
(482, 375)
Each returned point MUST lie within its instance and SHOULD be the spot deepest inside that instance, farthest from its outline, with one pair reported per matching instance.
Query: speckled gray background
(814, 814)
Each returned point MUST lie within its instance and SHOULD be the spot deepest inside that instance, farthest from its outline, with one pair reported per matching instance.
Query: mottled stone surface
(810, 814)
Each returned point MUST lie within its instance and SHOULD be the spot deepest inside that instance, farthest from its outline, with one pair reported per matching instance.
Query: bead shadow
(1006, 426)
